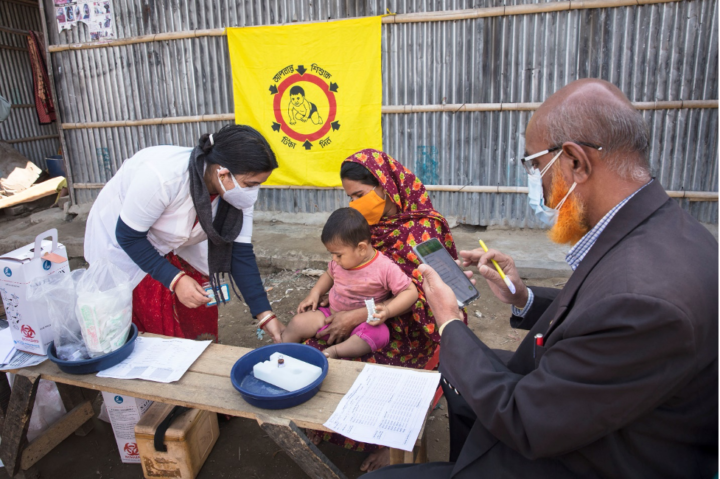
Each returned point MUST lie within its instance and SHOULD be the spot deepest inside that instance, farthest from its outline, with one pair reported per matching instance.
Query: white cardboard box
(125, 412)
(18, 270)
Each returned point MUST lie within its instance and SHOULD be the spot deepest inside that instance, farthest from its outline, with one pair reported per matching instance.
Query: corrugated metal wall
(652, 52)
(16, 84)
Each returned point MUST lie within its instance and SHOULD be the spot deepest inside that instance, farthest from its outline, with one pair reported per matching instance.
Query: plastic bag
(48, 408)
(104, 307)
(54, 297)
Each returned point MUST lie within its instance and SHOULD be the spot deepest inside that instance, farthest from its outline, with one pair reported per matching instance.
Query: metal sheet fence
(652, 52)
(16, 84)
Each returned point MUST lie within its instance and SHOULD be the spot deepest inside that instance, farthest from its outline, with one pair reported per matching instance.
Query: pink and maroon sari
(414, 338)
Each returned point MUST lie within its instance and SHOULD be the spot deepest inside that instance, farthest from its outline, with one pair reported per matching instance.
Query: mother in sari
(401, 215)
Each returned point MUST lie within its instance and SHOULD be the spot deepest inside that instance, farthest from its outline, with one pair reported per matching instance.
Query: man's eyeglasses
(526, 161)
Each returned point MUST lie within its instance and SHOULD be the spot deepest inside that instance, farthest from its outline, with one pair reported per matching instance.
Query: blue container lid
(263, 395)
(99, 363)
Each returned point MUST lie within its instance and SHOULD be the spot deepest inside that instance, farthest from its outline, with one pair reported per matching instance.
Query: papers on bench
(11, 358)
(385, 406)
(157, 359)
(21, 359)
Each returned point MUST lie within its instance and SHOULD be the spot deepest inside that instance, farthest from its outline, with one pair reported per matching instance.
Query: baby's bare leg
(303, 326)
(352, 347)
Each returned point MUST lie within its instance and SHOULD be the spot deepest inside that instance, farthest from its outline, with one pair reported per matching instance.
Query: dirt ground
(242, 449)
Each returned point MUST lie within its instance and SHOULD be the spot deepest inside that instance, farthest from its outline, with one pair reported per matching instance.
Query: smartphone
(434, 254)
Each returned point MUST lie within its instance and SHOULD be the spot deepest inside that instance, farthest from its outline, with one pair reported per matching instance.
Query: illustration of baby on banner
(314, 91)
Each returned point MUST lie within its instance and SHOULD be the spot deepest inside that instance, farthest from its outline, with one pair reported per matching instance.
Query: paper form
(7, 346)
(385, 406)
(21, 359)
(157, 359)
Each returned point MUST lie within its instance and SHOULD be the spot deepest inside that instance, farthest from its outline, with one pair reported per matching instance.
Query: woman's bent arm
(246, 274)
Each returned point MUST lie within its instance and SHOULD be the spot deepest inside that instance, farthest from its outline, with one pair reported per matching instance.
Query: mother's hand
(341, 325)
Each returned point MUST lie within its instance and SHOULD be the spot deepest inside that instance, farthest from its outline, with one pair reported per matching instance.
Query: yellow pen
(509, 283)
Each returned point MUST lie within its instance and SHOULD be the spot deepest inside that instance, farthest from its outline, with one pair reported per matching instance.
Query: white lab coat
(151, 192)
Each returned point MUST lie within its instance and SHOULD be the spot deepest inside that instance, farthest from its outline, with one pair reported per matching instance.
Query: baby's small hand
(309, 303)
(381, 314)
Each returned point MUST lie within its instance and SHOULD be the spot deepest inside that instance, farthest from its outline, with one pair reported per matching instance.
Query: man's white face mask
(238, 197)
(547, 216)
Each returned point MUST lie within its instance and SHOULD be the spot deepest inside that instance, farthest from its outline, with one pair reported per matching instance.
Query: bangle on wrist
(175, 280)
(265, 320)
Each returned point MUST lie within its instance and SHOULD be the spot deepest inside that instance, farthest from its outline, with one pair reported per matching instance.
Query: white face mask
(547, 216)
(238, 197)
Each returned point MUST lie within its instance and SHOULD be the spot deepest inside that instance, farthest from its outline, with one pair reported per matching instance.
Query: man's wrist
(521, 312)
(522, 302)
(443, 325)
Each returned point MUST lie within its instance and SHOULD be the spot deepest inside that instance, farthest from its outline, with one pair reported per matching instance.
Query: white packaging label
(18, 270)
(124, 413)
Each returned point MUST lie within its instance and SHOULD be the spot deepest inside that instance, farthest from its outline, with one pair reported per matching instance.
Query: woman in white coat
(179, 219)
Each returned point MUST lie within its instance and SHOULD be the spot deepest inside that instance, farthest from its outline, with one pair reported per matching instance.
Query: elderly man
(624, 381)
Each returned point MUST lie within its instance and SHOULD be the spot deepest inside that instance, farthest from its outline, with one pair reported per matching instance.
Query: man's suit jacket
(627, 382)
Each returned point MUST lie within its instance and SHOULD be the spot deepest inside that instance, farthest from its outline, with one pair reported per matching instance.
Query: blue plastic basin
(55, 166)
(99, 363)
(263, 395)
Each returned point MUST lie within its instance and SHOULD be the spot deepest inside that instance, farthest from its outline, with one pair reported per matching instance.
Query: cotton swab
(509, 283)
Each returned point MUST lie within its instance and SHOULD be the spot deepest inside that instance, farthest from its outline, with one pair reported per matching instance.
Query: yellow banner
(314, 91)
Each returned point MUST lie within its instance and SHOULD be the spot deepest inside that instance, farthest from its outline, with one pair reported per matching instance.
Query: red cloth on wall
(43, 98)
(156, 310)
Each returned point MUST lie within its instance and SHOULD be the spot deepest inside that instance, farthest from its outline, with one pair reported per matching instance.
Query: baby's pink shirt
(379, 279)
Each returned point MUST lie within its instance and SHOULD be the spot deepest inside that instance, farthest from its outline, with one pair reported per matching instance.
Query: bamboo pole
(14, 31)
(421, 17)
(56, 102)
(22, 105)
(30, 138)
(21, 2)
(522, 190)
(390, 109)
(17, 49)
(150, 121)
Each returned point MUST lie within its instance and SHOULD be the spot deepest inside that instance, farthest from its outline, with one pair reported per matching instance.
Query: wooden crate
(189, 440)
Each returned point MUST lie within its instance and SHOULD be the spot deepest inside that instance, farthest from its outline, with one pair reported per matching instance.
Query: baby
(301, 109)
(356, 273)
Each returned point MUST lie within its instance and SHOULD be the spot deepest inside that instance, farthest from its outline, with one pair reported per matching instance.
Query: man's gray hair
(619, 129)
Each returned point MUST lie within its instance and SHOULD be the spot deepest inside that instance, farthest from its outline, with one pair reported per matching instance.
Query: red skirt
(156, 310)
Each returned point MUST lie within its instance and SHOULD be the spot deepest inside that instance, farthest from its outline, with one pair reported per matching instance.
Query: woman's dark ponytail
(205, 144)
(239, 148)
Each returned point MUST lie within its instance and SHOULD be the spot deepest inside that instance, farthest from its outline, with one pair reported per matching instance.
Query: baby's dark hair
(347, 226)
(297, 90)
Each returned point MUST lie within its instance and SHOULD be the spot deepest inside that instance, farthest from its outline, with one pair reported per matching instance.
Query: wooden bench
(206, 385)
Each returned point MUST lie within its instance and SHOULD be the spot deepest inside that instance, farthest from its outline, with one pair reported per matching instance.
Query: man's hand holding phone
(440, 296)
(434, 254)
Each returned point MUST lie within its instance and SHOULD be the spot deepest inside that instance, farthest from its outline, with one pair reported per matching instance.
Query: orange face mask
(371, 206)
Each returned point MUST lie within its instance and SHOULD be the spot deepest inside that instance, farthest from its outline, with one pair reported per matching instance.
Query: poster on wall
(97, 15)
(314, 91)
